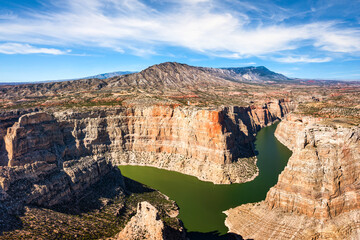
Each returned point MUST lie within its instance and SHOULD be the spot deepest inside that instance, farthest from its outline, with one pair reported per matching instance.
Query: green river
(202, 203)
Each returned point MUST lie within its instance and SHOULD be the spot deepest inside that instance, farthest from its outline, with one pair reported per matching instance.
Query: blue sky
(52, 39)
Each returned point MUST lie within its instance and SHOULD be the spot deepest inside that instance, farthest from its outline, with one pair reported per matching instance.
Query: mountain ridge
(110, 74)
(259, 72)
(171, 77)
(175, 75)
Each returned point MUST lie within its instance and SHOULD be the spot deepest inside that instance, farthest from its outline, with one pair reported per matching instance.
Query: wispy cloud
(19, 48)
(302, 59)
(7, 15)
(205, 26)
(340, 40)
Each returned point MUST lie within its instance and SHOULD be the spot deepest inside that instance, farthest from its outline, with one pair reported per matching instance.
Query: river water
(202, 203)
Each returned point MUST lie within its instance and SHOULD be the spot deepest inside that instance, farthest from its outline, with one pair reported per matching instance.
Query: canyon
(211, 144)
(49, 159)
(58, 141)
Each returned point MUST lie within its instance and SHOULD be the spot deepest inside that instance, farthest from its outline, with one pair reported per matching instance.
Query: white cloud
(205, 26)
(247, 63)
(302, 59)
(340, 41)
(19, 48)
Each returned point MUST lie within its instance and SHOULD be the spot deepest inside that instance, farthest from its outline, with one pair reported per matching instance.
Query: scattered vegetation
(339, 106)
(93, 217)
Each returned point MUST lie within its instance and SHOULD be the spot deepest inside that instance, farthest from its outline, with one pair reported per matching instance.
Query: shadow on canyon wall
(9, 222)
(241, 140)
(96, 196)
(213, 236)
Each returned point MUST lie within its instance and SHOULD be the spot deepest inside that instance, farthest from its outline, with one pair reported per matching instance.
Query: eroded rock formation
(147, 224)
(7, 119)
(33, 138)
(39, 169)
(318, 193)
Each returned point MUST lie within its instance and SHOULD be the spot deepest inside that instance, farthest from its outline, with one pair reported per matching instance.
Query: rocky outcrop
(332, 156)
(45, 184)
(33, 138)
(7, 119)
(147, 224)
(39, 170)
(318, 193)
(256, 221)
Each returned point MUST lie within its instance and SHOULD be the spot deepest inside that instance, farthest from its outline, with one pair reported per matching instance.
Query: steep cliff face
(331, 155)
(7, 119)
(147, 224)
(214, 145)
(37, 171)
(317, 194)
(45, 184)
(33, 138)
(211, 144)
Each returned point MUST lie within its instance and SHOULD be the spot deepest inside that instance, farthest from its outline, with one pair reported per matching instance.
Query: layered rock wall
(321, 178)
(33, 138)
(211, 144)
(7, 119)
(45, 184)
(318, 193)
(37, 172)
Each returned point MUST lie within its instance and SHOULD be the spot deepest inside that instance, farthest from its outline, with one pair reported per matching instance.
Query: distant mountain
(176, 75)
(12, 83)
(109, 75)
(169, 73)
(168, 76)
(99, 76)
(260, 73)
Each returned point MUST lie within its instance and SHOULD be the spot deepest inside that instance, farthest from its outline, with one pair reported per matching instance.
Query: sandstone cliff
(39, 172)
(318, 193)
(147, 224)
(211, 144)
(33, 138)
(7, 119)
